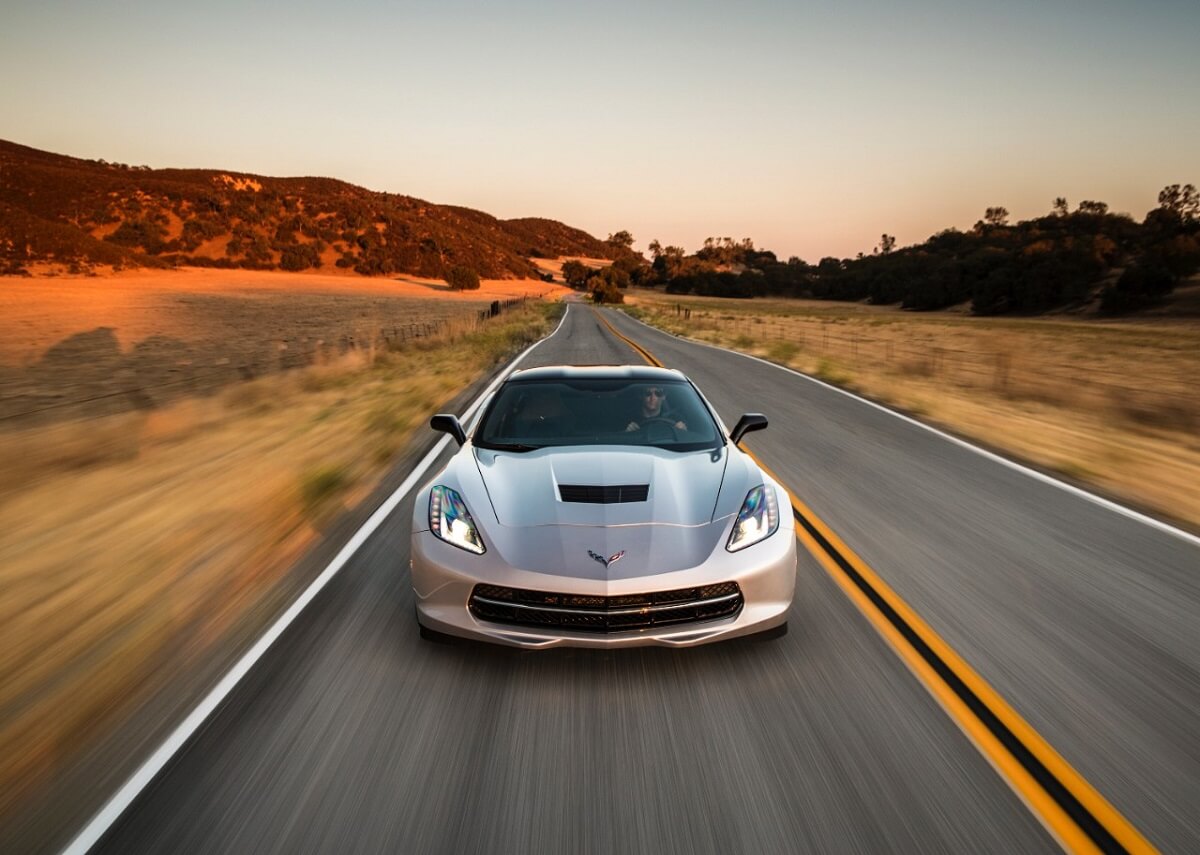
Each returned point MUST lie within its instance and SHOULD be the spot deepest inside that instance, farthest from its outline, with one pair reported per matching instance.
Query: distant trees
(1182, 202)
(605, 285)
(620, 240)
(996, 217)
(462, 278)
(575, 274)
(1098, 209)
(1061, 259)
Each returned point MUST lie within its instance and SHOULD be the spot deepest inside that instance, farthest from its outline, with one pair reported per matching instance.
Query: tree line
(1059, 259)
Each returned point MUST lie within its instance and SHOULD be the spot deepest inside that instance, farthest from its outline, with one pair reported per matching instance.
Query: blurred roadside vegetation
(135, 545)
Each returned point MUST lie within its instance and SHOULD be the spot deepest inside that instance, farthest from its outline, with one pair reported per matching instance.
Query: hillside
(82, 213)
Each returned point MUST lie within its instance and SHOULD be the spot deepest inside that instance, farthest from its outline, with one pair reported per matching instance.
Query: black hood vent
(595, 495)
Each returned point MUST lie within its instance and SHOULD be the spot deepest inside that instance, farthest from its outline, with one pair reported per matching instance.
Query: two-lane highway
(352, 734)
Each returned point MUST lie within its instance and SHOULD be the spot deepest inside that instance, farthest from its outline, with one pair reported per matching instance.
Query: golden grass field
(132, 543)
(1112, 404)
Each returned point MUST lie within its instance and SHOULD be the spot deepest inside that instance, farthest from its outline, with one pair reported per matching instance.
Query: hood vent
(595, 495)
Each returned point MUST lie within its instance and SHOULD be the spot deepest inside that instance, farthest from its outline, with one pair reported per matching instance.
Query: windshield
(529, 414)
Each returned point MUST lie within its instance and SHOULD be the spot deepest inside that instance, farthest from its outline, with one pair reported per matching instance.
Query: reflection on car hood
(524, 487)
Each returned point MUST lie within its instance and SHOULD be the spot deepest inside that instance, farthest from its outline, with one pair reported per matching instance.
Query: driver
(654, 408)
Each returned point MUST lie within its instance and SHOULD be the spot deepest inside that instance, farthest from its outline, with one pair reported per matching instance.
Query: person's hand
(631, 426)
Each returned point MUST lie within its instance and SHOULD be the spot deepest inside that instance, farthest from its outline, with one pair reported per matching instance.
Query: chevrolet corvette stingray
(601, 506)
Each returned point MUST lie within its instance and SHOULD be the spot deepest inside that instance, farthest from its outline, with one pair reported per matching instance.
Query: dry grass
(133, 543)
(1113, 403)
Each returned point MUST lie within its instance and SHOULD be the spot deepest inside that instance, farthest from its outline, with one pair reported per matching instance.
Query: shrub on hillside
(140, 233)
(1140, 285)
(462, 278)
(300, 257)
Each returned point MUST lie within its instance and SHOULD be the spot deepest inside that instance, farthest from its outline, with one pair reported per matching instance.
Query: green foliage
(462, 278)
(576, 274)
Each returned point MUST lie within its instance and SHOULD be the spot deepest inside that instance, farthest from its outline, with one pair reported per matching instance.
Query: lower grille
(581, 613)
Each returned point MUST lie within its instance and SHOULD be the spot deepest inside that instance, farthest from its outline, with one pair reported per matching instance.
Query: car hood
(524, 487)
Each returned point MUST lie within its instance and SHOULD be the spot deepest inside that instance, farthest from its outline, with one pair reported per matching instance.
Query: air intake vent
(586, 613)
(603, 495)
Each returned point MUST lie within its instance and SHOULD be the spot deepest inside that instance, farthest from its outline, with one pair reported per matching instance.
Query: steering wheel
(660, 420)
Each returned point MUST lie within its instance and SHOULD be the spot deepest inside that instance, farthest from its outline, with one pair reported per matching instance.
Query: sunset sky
(812, 127)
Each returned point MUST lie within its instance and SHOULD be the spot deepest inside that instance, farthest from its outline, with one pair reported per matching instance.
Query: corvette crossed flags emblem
(612, 559)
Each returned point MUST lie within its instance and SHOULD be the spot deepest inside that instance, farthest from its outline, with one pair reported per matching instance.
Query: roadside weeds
(132, 545)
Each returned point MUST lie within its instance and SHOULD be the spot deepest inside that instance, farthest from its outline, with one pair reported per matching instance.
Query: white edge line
(132, 788)
(1108, 504)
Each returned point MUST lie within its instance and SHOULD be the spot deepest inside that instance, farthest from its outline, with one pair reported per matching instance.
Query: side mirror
(747, 423)
(448, 423)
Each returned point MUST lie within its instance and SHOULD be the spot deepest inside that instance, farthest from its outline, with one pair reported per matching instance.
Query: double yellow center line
(1071, 808)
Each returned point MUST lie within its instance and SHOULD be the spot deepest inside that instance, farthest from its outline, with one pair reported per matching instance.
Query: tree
(575, 274)
(462, 278)
(1142, 284)
(620, 240)
(655, 248)
(997, 216)
(1090, 207)
(886, 243)
(606, 285)
(1060, 208)
(1181, 201)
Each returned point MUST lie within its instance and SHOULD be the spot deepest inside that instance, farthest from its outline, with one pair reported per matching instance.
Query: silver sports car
(601, 507)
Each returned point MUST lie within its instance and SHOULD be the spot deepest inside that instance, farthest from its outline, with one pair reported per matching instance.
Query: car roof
(598, 372)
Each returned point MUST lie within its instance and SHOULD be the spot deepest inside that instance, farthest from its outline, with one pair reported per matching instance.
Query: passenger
(654, 407)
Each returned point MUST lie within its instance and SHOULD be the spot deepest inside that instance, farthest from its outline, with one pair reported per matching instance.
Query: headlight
(757, 520)
(450, 520)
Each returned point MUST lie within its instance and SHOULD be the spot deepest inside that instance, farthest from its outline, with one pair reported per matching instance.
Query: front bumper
(444, 578)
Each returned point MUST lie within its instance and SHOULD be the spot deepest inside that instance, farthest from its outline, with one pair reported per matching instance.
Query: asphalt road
(353, 735)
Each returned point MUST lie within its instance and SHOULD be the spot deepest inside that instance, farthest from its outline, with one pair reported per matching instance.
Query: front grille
(583, 613)
(598, 495)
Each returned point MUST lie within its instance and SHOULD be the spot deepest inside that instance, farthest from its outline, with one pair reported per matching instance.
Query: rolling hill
(84, 213)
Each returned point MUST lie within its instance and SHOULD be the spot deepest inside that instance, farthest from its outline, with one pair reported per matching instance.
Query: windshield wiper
(507, 446)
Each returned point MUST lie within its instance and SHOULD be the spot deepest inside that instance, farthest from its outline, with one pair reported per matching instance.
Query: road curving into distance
(350, 734)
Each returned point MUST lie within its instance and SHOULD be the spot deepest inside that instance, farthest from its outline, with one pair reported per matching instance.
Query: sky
(810, 127)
